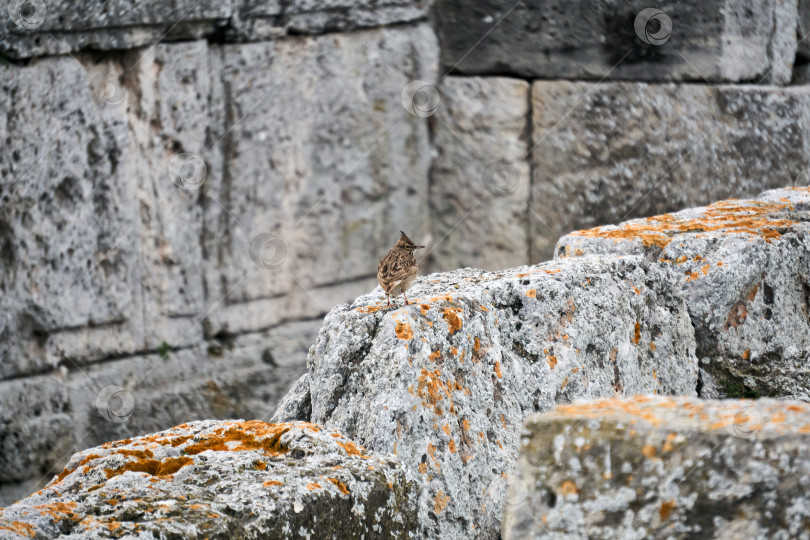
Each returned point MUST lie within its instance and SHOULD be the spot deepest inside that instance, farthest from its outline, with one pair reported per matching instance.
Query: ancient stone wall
(186, 189)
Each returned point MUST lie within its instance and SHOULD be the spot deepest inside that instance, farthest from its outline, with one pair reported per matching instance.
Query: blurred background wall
(186, 188)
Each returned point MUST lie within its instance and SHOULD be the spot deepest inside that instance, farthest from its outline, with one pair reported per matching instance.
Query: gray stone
(223, 480)
(342, 160)
(103, 247)
(726, 41)
(68, 228)
(444, 383)
(44, 419)
(655, 467)
(479, 193)
(59, 27)
(803, 31)
(743, 269)
(111, 258)
(611, 151)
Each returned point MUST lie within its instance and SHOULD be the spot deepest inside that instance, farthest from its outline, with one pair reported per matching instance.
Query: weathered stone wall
(177, 221)
(185, 190)
(423, 405)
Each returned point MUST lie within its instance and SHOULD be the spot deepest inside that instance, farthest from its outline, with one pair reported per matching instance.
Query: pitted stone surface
(223, 479)
(445, 383)
(654, 467)
(743, 269)
(722, 41)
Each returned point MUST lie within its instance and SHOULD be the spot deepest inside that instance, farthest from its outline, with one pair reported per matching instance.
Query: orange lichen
(432, 389)
(551, 360)
(637, 333)
(251, 435)
(353, 449)
(498, 370)
(369, 309)
(652, 346)
(446, 429)
(423, 468)
(465, 425)
(666, 509)
(312, 486)
(272, 483)
(746, 355)
(452, 318)
(260, 465)
(568, 488)
(452, 446)
(339, 485)
(531, 293)
(435, 355)
(476, 344)
(404, 331)
(424, 308)
(668, 446)
(140, 454)
(18, 527)
(58, 511)
(440, 502)
(153, 467)
(731, 216)
(648, 451)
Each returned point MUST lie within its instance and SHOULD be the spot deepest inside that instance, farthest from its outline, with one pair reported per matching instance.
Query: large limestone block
(102, 251)
(655, 467)
(610, 151)
(719, 41)
(223, 480)
(323, 164)
(39, 28)
(479, 192)
(68, 230)
(445, 383)
(31, 28)
(743, 269)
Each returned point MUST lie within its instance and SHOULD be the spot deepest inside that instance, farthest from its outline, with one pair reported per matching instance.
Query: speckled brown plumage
(398, 269)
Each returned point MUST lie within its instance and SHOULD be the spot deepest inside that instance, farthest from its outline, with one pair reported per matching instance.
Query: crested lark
(398, 269)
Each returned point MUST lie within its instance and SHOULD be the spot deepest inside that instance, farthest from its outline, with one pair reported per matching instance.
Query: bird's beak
(420, 247)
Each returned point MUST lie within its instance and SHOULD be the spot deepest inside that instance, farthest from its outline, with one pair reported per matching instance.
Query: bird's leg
(406, 298)
(389, 299)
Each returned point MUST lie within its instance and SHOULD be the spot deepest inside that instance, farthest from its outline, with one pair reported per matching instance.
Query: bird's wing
(395, 267)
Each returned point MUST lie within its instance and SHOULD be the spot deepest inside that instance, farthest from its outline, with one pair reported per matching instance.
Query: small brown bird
(398, 269)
